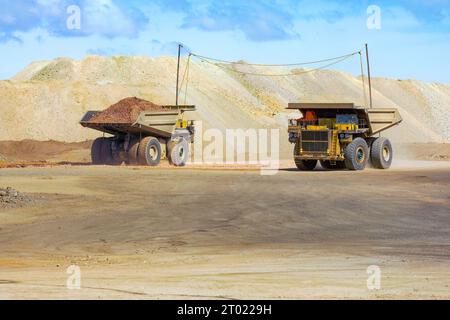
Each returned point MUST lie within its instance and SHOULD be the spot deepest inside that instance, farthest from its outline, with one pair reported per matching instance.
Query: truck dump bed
(381, 119)
(378, 119)
(154, 123)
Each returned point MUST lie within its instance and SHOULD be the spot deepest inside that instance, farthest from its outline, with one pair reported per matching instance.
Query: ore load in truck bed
(126, 111)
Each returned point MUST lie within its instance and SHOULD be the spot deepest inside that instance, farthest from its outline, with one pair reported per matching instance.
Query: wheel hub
(360, 156)
(153, 152)
(386, 154)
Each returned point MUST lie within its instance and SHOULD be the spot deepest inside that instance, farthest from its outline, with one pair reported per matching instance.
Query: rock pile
(10, 198)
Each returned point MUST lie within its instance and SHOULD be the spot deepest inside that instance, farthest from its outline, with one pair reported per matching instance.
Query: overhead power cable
(272, 65)
(340, 59)
(185, 80)
(362, 78)
(230, 65)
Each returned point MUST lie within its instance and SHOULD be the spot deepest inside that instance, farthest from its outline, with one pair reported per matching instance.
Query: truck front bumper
(318, 156)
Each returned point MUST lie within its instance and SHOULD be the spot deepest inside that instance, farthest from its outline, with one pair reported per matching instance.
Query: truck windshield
(346, 119)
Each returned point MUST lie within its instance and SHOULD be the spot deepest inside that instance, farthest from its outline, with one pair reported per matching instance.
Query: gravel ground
(156, 233)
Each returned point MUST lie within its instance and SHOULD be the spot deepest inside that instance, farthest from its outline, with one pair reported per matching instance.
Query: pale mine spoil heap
(47, 99)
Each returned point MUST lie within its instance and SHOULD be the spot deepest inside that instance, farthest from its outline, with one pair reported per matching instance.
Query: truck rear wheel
(328, 166)
(149, 151)
(107, 152)
(101, 151)
(356, 154)
(96, 151)
(178, 152)
(133, 153)
(306, 165)
(381, 153)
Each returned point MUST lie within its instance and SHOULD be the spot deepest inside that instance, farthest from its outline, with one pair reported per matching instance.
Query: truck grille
(314, 141)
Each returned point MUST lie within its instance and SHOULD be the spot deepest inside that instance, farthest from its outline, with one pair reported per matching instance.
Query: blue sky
(413, 42)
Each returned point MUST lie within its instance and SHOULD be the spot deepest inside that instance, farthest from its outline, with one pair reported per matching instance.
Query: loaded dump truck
(341, 135)
(144, 139)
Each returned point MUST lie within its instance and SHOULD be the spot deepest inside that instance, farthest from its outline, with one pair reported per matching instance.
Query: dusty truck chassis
(341, 135)
(154, 136)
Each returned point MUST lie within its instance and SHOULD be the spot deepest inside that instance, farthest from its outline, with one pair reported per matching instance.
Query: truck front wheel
(178, 152)
(356, 154)
(306, 165)
(149, 151)
(381, 153)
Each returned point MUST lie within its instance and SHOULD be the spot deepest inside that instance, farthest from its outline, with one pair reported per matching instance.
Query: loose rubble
(125, 111)
(11, 198)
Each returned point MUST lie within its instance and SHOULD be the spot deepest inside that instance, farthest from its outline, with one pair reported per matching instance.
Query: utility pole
(368, 75)
(178, 71)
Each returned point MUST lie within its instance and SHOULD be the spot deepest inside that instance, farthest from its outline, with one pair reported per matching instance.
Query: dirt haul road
(161, 233)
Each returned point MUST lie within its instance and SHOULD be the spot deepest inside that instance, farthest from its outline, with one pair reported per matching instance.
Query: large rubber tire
(116, 156)
(96, 151)
(178, 153)
(328, 166)
(133, 153)
(356, 154)
(107, 152)
(101, 152)
(306, 165)
(381, 153)
(149, 151)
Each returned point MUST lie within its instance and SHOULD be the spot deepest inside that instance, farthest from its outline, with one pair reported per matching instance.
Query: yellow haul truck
(154, 136)
(341, 135)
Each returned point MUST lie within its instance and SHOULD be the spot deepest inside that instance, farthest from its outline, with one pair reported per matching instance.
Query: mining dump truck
(341, 135)
(154, 136)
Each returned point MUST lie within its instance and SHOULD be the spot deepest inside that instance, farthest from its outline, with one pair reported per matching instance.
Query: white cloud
(323, 8)
(104, 17)
(110, 18)
(401, 49)
(398, 18)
